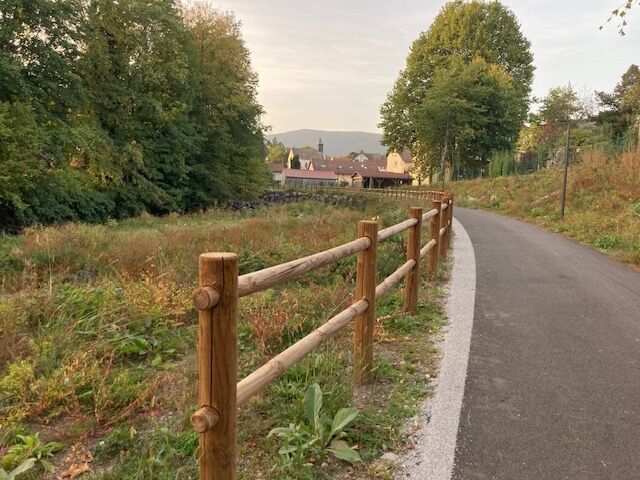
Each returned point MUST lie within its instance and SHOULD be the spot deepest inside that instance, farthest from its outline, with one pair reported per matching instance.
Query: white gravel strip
(435, 440)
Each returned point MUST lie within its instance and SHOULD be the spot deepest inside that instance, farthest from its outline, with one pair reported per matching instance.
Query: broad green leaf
(287, 449)
(343, 418)
(48, 466)
(346, 454)
(280, 432)
(312, 406)
(23, 467)
(55, 446)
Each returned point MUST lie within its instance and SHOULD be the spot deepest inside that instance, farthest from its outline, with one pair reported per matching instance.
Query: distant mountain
(335, 143)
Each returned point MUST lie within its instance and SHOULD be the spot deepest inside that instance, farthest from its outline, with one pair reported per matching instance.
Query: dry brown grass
(73, 296)
(603, 201)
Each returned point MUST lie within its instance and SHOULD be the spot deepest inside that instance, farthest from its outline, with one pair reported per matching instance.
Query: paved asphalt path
(553, 381)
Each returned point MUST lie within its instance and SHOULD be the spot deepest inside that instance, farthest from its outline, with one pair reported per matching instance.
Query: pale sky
(329, 64)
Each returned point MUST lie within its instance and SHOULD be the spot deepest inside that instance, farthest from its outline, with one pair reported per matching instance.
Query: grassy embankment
(602, 209)
(98, 341)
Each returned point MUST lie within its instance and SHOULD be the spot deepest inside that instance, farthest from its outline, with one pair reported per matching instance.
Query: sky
(329, 64)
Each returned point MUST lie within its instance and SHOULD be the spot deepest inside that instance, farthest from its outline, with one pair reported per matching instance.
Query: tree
(277, 152)
(43, 115)
(231, 160)
(462, 33)
(137, 72)
(469, 111)
(109, 109)
(560, 104)
(621, 108)
(295, 162)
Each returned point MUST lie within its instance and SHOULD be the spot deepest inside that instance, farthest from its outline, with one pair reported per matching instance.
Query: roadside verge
(434, 441)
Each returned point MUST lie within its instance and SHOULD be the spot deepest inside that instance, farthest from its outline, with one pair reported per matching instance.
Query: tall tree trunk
(443, 157)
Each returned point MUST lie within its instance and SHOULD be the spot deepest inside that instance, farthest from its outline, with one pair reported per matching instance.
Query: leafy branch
(621, 14)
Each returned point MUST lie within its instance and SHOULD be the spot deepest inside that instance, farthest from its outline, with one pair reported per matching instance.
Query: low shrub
(607, 242)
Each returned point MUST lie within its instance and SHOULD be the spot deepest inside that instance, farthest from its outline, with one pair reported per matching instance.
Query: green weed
(30, 447)
(607, 242)
(319, 434)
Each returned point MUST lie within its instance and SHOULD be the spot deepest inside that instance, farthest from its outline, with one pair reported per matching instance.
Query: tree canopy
(621, 108)
(277, 152)
(560, 104)
(468, 111)
(109, 109)
(479, 48)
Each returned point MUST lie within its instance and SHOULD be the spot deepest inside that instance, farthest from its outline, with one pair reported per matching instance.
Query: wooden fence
(220, 393)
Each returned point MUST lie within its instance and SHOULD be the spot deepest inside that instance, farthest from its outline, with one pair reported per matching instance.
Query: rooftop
(309, 174)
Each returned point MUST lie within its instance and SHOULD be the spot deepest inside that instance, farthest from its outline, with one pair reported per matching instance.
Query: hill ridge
(336, 142)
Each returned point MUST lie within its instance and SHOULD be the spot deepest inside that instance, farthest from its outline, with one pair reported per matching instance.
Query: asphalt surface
(553, 381)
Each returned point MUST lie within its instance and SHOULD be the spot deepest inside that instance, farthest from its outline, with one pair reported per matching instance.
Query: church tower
(320, 145)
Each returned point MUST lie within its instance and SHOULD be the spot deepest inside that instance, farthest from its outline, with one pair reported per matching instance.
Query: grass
(98, 337)
(602, 209)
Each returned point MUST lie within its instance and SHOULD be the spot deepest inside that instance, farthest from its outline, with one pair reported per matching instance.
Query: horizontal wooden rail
(262, 279)
(431, 213)
(263, 376)
(395, 229)
(428, 247)
(389, 282)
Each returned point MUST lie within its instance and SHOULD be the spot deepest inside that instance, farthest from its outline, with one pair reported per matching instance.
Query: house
(372, 179)
(345, 167)
(299, 177)
(369, 157)
(369, 170)
(305, 155)
(276, 172)
(404, 163)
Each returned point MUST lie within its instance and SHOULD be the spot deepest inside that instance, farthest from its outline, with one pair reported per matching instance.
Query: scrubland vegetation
(98, 343)
(603, 201)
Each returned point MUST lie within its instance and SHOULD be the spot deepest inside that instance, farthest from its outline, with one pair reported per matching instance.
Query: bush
(607, 242)
(537, 212)
(501, 163)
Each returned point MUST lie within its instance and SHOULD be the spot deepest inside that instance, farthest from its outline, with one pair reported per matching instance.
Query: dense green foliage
(109, 109)
(502, 163)
(465, 89)
(621, 108)
(560, 104)
(606, 121)
(277, 152)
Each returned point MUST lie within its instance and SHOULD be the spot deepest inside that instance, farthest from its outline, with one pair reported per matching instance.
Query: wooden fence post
(449, 220)
(366, 280)
(450, 232)
(444, 217)
(217, 302)
(412, 280)
(434, 234)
